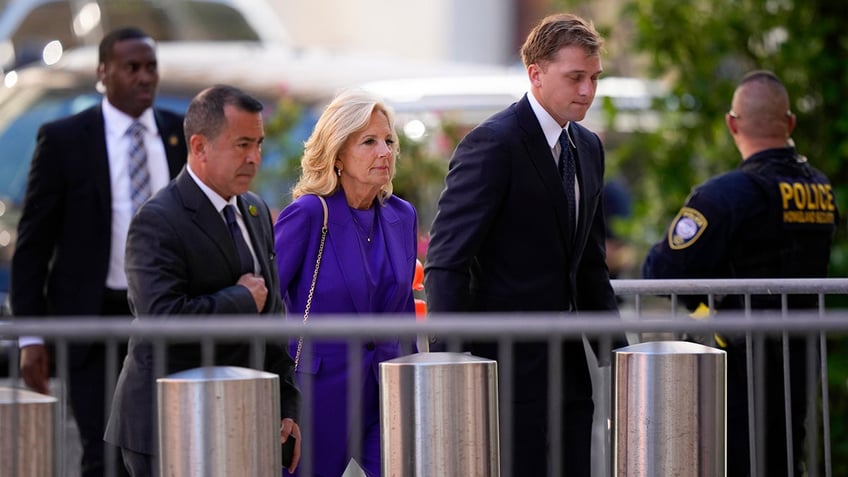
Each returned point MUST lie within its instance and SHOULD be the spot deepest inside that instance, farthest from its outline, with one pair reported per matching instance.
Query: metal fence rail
(638, 320)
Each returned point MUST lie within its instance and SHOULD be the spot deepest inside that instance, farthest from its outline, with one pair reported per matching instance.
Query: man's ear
(534, 72)
(791, 120)
(101, 71)
(731, 124)
(197, 145)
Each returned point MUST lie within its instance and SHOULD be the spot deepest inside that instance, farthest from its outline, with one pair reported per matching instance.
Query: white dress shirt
(118, 148)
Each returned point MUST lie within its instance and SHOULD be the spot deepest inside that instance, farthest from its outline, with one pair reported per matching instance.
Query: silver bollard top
(218, 373)
(23, 396)
(439, 358)
(669, 347)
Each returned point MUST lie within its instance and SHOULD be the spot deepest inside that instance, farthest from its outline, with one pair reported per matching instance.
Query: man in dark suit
(69, 258)
(202, 245)
(514, 234)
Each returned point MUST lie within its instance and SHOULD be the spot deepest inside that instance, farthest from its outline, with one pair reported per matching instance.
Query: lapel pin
(252, 209)
(173, 140)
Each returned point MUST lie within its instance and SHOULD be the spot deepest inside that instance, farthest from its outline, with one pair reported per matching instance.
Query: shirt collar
(550, 127)
(217, 201)
(117, 122)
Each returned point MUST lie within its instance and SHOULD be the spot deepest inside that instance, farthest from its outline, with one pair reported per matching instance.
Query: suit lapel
(541, 159)
(208, 219)
(392, 229)
(587, 182)
(251, 214)
(173, 141)
(94, 133)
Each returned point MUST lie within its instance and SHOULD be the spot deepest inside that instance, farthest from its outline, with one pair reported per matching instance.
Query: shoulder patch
(686, 228)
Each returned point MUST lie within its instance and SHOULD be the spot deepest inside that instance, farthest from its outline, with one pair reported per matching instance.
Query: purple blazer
(340, 288)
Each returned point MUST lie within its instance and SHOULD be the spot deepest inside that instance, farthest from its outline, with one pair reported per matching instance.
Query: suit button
(370, 346)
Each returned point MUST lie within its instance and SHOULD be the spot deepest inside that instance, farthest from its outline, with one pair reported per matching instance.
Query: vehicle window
(216, 23)
(45, 23)
(18, 134)
(180, 21)
(187, 20)
(17, 139)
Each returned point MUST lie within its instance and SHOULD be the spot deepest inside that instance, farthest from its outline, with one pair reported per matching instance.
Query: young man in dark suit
(520, 228)
(69, 257)
(183, 258)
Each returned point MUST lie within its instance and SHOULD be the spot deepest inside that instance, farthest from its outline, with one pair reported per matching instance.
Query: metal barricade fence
(639, 320)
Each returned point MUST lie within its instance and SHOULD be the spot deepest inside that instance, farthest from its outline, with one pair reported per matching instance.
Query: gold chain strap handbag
(314, 279)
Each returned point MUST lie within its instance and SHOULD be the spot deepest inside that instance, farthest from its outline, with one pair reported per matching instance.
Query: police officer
(772, 217)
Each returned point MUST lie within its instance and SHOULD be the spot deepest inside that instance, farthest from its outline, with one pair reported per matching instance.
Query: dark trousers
(773, 431)
(531, 449)
(87, 392)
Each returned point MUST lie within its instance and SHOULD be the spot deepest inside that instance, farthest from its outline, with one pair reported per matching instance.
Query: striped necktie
(139, 175)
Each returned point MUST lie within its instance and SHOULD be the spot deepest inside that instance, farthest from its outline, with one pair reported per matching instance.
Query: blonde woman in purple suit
(367, 266)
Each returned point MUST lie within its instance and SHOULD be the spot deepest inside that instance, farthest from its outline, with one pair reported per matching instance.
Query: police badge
(686, 228)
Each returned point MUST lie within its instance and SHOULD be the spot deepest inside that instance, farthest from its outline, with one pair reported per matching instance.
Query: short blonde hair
(555, 32)
(348, 113)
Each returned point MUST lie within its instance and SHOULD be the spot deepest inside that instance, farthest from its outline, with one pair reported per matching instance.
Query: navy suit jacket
(64, 235)
(500, 241)
(181, 260)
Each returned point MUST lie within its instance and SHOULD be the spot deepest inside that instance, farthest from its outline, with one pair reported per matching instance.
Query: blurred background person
(621, 257)
(203, 245)
(772, 217)
(90, 172)
(367, 265)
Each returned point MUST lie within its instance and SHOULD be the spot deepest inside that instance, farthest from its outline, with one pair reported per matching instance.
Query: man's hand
(35, 368)
(257, 288)
(290, 428)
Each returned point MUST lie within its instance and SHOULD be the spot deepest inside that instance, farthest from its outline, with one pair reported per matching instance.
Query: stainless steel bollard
(219, 421)
(27, 433)
(439, 415)
(669, 410)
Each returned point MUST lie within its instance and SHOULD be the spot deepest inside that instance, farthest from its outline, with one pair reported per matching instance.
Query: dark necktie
(567, 172)
(139, 175)
(244, 255)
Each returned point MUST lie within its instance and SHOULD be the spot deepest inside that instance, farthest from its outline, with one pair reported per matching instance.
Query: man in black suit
(69, 258)
(514, 234)
(182, 258)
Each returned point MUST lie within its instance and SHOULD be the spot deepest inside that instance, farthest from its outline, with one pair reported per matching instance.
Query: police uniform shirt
(774, 216)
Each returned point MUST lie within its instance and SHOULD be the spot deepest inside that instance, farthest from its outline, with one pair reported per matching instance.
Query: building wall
(479, 31)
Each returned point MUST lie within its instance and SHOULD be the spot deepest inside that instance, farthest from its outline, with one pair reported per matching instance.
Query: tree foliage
(702, 49)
